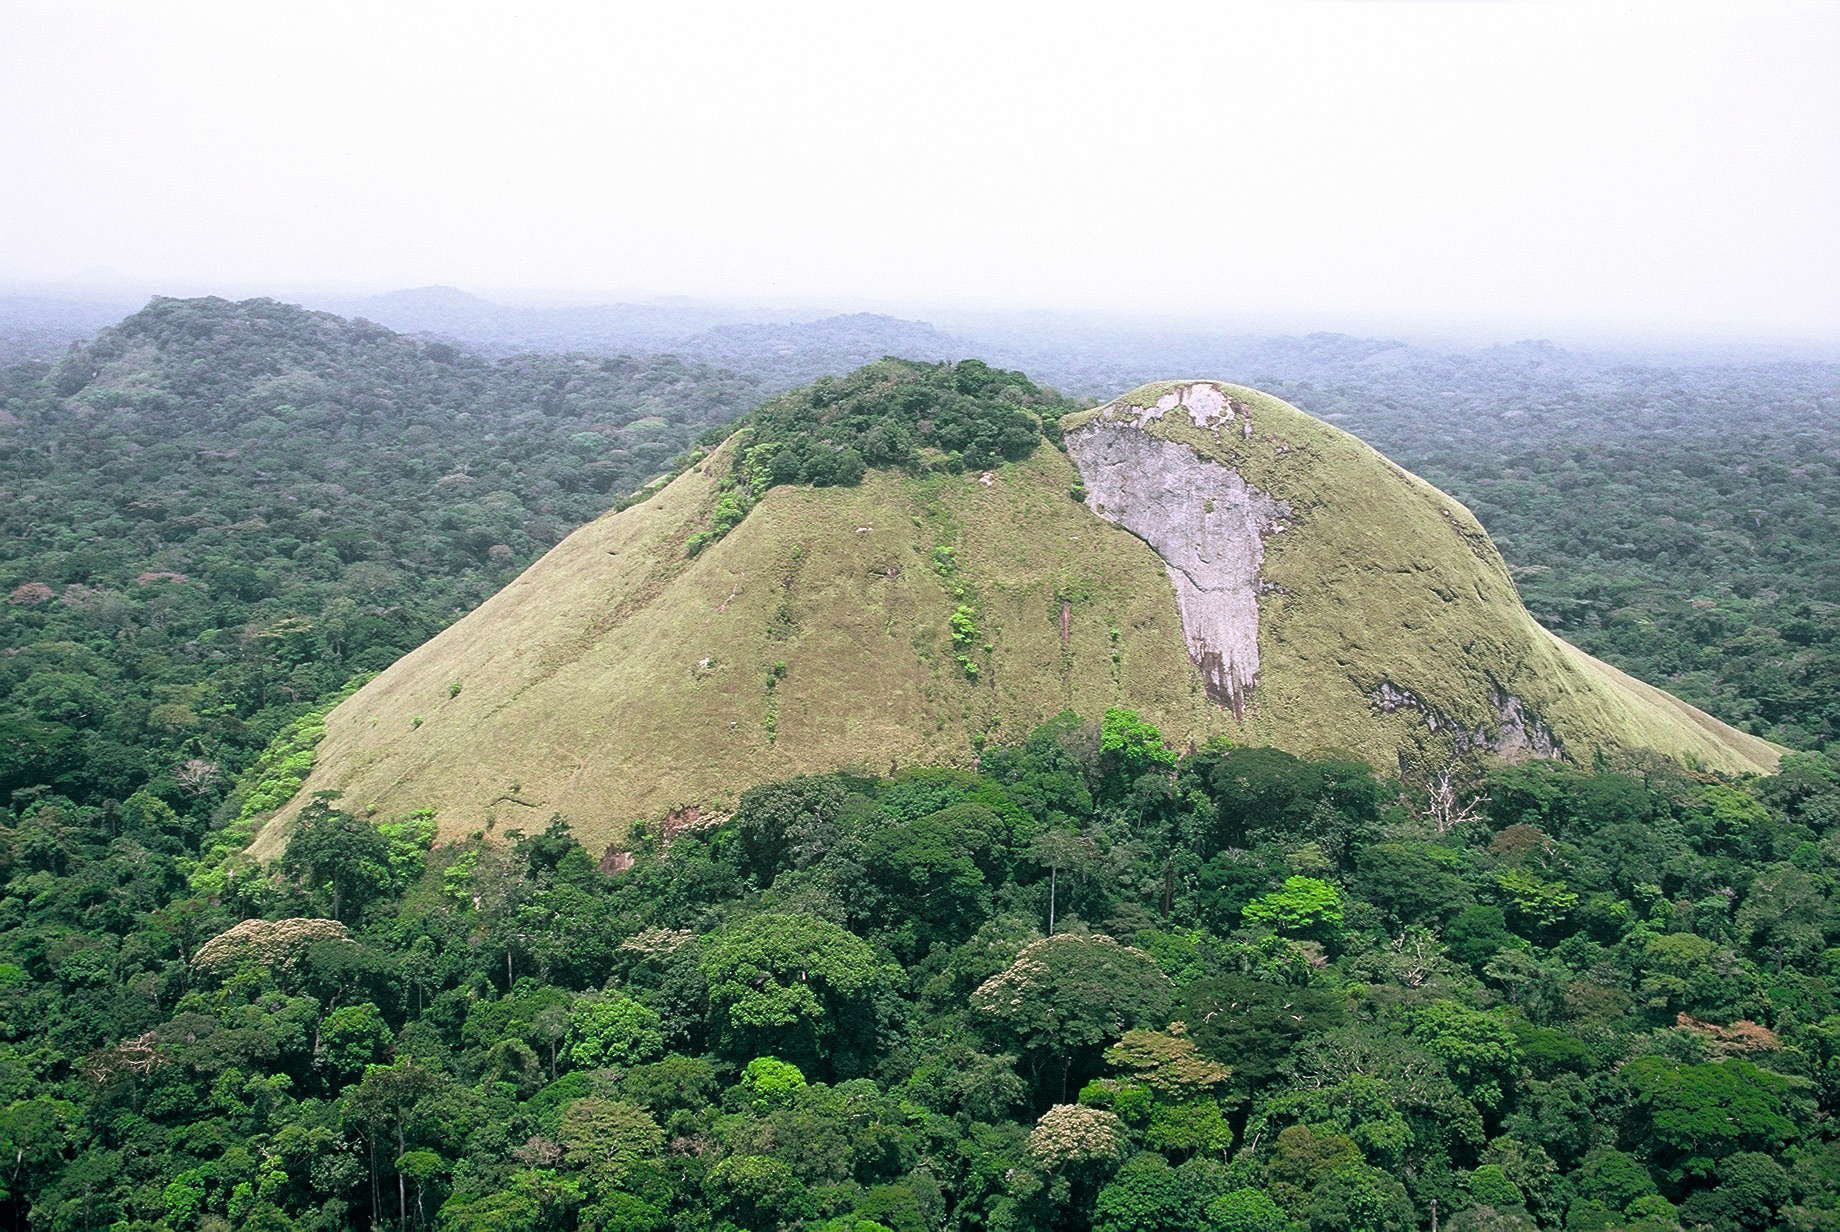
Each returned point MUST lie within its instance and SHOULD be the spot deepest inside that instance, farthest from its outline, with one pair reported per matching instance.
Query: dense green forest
(1093, 983)
(215, 514)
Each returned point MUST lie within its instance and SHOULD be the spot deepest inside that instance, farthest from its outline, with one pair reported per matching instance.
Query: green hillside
(733, 629)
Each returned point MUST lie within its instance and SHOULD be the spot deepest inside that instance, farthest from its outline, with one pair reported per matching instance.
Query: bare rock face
(1202, 518)
(1516, 735)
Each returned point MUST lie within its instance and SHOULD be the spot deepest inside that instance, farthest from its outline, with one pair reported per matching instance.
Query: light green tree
(792, 982)
(613, 1029)
(1302, 907)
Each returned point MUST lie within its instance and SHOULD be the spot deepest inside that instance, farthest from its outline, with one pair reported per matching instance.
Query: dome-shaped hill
(1203, 553)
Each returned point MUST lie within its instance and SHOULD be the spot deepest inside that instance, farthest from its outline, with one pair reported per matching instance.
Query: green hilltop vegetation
(897, 567)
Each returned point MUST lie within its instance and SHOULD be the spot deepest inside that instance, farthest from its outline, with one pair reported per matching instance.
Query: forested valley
(1096, 981)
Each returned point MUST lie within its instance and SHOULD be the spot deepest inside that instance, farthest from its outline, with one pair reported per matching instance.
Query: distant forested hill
(785, 355)
(780, 348)
(217, 512)
(503, 329)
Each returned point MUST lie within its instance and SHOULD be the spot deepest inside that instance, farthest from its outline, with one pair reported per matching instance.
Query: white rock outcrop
(1202, 518)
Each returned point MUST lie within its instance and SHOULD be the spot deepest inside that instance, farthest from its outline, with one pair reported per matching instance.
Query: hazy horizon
(1416, 168)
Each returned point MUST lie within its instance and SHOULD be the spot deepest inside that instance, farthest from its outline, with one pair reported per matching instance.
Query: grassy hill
(912, 616)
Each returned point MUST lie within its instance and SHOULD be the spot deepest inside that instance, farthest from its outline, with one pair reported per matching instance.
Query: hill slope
(1376, 597)
(216, 512)
(1321, 598)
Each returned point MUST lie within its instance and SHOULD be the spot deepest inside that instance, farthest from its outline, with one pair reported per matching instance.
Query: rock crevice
(1516, 734)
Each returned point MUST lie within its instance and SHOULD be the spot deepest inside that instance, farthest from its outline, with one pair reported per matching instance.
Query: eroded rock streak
(1202, 518)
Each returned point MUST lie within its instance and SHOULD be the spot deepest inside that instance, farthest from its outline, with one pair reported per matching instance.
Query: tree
(1129, 748)
(613, 1029)
(623, 1212)
(1690, 1116)
(1479, 1049)
(609, 1139)
(1303, 907)
(1785, 916)
(1417, 883)
(351, 1038)
(1477, 933)
(1489, 1186)
(769, 1083)
(758, 1191)
(1612, 1177)
(35, 1135)
(1069, 857)
(1752, 1186)
(1167, 1063)
(421, 1167)
(1541, 905)
(793, 982)
(384, 1104)
(1186, 1127)
(1357, 1198)
(793, 823)
(342, 857)
(1253, 1025)
(1069, 1136)
(1145, 1195)
(930, 879)
(1246, 1210)
(1263, 794)
(1064, 997)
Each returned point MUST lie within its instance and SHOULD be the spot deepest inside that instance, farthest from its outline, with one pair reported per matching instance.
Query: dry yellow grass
(619, 679)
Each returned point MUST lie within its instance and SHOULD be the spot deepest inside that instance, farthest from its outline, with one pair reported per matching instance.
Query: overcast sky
(1667, 168)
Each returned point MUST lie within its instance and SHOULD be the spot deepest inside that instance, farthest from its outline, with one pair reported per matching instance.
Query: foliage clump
(901, 415)
(896, 414)
(272, 943)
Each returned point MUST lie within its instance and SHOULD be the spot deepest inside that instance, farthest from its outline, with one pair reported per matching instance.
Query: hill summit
(899, 566)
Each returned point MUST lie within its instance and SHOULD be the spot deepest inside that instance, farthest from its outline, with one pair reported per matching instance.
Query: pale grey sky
(1670, 167)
